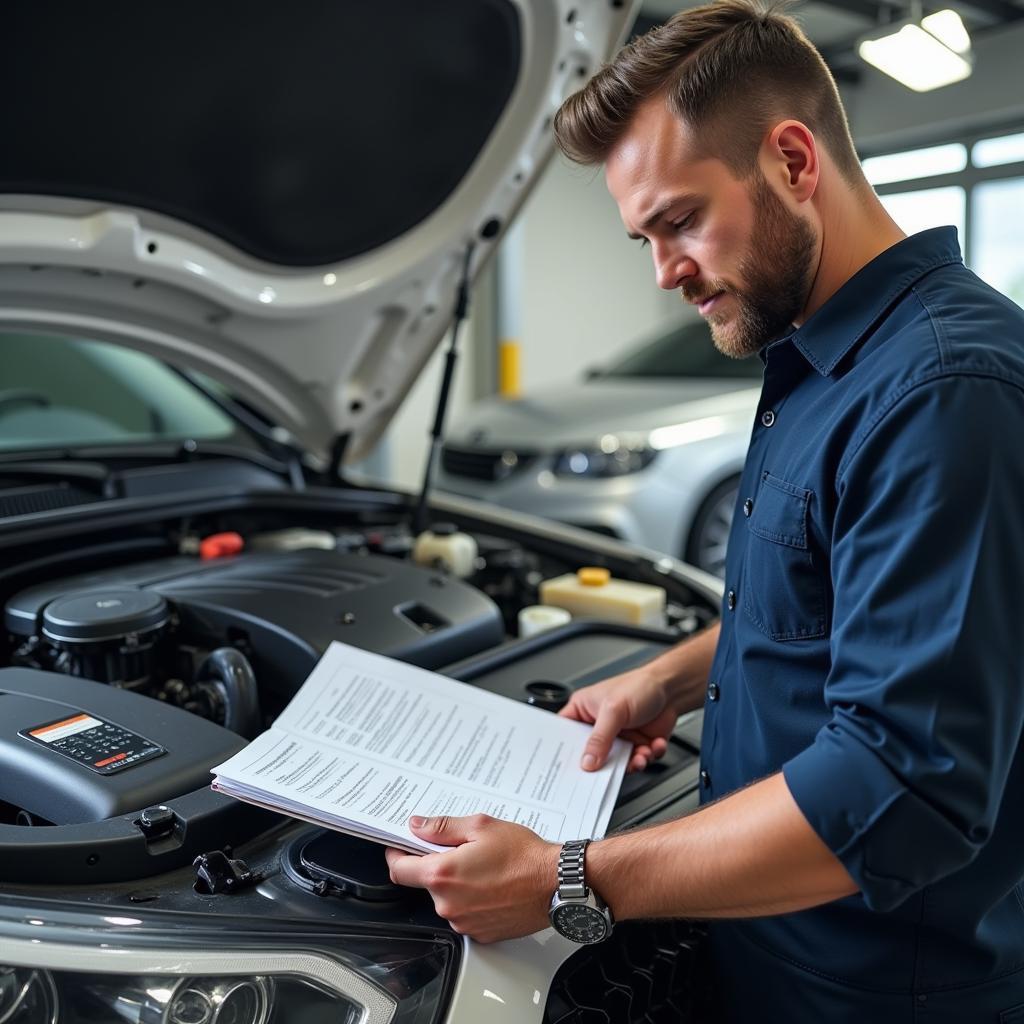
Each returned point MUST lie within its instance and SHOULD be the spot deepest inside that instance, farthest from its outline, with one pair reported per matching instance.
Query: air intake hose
(229, 683)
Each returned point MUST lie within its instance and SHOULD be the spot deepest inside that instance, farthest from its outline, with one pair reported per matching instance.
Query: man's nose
(672, 268)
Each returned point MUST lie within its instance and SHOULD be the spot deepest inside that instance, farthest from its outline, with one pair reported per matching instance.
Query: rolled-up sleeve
(926, 687)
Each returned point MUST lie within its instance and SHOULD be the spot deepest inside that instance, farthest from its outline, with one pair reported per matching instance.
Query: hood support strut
(419, 521)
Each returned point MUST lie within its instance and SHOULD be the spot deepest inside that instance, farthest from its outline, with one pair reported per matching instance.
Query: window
(928, 208)
(1008, 149)
(997, 229)
(975, 184)
(916, 163)
(67, 392)
(684, 351)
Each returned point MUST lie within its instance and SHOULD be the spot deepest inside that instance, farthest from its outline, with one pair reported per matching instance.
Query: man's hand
(633, 705)
(496, 885)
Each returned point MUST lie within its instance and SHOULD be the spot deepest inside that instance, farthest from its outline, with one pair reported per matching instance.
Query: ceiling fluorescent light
(947, 27)
(921, 57)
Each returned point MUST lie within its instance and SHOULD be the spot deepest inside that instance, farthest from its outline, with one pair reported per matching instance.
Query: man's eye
(687, 221)
(643, 243)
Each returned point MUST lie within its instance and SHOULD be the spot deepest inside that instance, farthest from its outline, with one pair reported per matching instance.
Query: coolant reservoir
(594, 593)
(443, 545)
(535, 618)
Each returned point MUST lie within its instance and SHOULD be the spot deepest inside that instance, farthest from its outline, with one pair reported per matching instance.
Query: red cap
(218, 545)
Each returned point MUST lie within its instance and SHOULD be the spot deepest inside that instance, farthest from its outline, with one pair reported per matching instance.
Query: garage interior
(568, 292)
(167, 591)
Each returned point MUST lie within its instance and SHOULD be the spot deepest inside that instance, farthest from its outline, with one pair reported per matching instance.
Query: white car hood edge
(322, 352)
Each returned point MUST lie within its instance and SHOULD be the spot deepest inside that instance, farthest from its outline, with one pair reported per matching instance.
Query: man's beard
(777, 271)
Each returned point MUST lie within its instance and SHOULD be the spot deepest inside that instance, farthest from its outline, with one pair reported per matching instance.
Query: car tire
(709, 535)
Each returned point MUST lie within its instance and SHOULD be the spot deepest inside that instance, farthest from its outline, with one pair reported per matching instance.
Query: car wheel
(705, 547)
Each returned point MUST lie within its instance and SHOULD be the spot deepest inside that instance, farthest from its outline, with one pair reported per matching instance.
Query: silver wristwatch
(577, 912)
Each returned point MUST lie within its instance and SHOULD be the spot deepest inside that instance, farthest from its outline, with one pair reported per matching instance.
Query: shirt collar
(851, 312)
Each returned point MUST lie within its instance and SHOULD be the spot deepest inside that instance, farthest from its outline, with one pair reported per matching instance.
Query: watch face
(579, 922)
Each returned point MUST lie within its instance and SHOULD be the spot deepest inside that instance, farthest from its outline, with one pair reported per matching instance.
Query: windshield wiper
(91, 463)
(94, 475)
(289, 454)
(46, 464)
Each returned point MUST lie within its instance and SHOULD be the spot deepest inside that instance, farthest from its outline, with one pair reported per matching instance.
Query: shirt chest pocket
(784, 588)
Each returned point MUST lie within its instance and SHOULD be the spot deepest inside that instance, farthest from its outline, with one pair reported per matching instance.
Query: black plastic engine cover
(285, 608)
(42, 778)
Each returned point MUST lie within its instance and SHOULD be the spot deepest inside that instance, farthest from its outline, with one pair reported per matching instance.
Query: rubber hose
(231, 673)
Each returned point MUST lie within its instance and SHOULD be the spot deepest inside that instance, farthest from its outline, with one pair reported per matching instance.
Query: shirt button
(767, 417)
(705, 778)
(748, 507)
(713, 691)
(730, 599)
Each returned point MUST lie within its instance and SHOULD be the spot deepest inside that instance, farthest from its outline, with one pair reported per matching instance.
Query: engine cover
(74, 751)
(285, 608)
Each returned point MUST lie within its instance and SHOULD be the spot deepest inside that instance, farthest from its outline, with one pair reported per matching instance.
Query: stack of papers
(369, 741)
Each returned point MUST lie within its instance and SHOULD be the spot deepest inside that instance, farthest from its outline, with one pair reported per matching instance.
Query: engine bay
(159, 627)
(126, 678)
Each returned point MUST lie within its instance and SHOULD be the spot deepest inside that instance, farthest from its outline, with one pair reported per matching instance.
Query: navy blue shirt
(872, 647)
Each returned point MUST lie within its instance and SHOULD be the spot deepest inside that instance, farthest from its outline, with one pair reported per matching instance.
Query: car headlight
(145, 971)
(27, 994)
(610, 457)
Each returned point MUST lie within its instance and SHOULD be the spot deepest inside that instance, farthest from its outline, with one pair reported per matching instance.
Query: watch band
(571, 877)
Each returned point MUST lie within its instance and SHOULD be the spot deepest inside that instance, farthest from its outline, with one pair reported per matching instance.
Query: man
(862, 846)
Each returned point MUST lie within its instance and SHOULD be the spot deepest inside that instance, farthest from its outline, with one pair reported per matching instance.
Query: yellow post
(508, 369)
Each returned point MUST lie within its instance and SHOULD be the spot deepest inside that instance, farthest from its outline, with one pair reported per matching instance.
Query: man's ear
(790, 159)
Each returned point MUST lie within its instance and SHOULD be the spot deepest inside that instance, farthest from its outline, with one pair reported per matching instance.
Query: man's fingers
(606, 728)
(644, 744)
(444, 829)
(575, 710)
(405, 868)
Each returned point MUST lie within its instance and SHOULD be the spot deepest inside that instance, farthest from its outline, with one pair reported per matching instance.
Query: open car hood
(280, 197)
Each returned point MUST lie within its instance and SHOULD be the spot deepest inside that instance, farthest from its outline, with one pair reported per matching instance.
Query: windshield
(68, 392)
(685, 351)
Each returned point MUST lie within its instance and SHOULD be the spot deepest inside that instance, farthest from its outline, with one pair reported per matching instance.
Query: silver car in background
(647, 449)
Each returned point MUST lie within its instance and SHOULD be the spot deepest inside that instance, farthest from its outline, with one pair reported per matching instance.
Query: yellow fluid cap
(593, 576)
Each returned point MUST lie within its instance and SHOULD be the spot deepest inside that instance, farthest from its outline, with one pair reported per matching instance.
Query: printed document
(368, 741)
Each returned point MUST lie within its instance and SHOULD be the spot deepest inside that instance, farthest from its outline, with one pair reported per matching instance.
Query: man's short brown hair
(729, 70)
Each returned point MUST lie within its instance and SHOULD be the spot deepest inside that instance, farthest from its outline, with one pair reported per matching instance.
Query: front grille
(478, 464)
(647, 972)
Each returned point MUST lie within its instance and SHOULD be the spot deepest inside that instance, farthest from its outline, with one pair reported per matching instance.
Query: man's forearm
(750, 854)
(683, 670)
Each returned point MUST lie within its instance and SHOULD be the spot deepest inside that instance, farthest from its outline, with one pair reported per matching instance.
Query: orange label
(59, 725)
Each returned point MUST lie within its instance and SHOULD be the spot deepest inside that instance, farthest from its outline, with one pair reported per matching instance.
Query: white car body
(322, 352)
